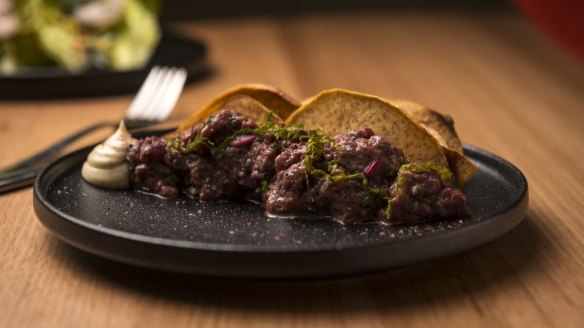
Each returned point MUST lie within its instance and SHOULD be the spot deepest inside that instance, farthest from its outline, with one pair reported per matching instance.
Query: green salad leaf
(137, 37)
(50, 33)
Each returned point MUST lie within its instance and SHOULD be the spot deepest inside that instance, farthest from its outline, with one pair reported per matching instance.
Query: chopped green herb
(199, 140)
(316, 142)
(282, 133)
(172, 180)
(445, 173)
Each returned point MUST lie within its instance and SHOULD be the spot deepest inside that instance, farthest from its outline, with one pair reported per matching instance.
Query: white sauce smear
(106, 165)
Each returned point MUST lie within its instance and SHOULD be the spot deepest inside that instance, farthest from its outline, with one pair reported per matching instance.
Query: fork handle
(18, 181)
(55, 148)
(25, 176)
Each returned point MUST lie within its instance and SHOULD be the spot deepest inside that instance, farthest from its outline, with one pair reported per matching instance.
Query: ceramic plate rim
(205, 246)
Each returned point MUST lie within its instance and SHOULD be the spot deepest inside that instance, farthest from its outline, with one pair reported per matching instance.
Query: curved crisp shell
(252, 108)
(337, 111)
(462, 167)
(442, 128)
(269, 97)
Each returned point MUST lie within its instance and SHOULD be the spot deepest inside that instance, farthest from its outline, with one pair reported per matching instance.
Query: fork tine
(160, 90)
(143, 94)
(151, 107)
(167, 103)
(165, 96)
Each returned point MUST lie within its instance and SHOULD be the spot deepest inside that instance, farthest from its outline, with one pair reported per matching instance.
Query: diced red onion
(242, 140)
(141, 170)
(371, 168)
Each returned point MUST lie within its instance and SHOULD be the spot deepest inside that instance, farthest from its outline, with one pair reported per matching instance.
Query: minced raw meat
(354, 177)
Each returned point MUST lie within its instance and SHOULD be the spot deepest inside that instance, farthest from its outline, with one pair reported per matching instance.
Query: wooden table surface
(510, 92)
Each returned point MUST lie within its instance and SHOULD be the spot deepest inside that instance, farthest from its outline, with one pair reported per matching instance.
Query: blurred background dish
(77, 35)
(78, 48)
(54, 82)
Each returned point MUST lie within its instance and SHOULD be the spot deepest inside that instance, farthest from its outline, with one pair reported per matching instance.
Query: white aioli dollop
(106, 164)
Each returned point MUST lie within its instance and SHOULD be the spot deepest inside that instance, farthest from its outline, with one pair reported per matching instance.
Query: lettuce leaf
(136, 38)
(64, 44)
(51, 35)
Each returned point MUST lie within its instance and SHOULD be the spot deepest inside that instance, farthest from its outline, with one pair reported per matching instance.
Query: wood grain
(509, 90)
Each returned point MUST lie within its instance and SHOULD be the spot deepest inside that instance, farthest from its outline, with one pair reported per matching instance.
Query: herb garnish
(444, 173)
(282, 133)
(316, 142)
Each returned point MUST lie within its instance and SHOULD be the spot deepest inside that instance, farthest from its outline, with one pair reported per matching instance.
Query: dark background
(212, 9)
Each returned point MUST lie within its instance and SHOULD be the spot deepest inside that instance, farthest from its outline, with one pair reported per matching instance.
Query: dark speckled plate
(239, 240)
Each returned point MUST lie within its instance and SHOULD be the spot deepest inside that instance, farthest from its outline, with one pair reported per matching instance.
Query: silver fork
(153, 103)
